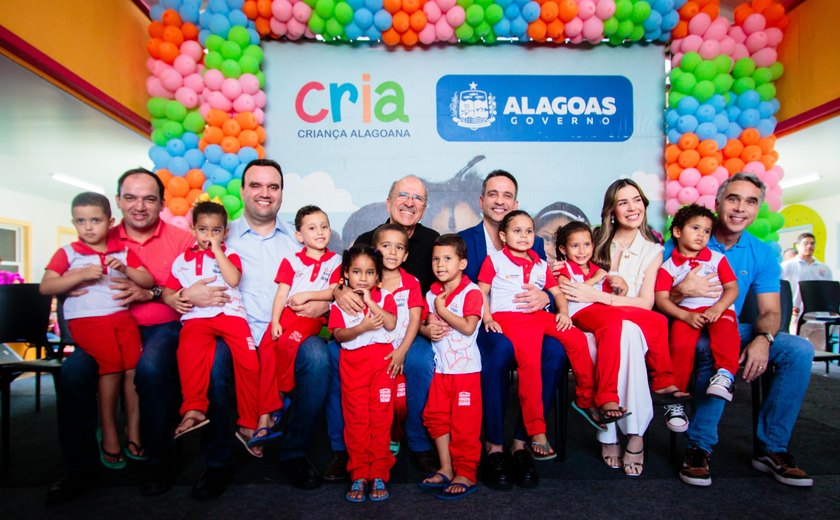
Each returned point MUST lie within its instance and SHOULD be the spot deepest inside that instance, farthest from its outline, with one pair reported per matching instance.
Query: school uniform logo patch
(401, 390)
(464, 398)
(296, 336)
(250, 341)
(384, 395)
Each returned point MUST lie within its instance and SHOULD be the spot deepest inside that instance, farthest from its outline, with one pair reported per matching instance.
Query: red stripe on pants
(725, 342)
(368, 406)
(454, 408)
(196, 352)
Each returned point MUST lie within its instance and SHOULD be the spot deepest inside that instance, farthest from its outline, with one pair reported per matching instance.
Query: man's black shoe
(158, 481)
(523, 470)
(70, 486)
(494, 473)
(212, 483)
(336, 470)
(425, 461)
(301, 473)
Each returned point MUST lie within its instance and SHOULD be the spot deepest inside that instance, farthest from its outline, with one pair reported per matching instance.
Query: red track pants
(454, 408)
(725, 345)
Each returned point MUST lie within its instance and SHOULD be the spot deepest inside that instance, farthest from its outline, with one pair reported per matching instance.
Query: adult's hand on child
(579, 292)
(128, 292)
(200, 294)
(115, 264)
(618, 284)
(531, 299)
(311, 309)
(348, 301)
(695, 285)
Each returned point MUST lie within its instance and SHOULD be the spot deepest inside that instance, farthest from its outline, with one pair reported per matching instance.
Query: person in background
(803, 267)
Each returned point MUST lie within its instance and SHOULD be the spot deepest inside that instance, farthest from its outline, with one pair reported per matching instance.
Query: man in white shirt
(802, 268)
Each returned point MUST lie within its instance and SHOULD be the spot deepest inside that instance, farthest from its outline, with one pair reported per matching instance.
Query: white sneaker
(675, 418)
(721, 385)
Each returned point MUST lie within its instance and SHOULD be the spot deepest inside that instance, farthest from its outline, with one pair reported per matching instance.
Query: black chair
(24, 317)
(821, 296)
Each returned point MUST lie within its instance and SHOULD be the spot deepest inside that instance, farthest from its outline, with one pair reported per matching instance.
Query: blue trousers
(419, 369)
(497, 360)
(791, 357)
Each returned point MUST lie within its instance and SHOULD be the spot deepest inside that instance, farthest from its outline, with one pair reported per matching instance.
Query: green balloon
(325, 8)
(475, 15)
(484, 3)
(465, 3)
(158, 122)
(690, 61)
(333, 29)
(777, 69)
(766, 92)
(215, 190)
(759, 228)
(231, 69)
(723, 63)
(762, 75)
(611, 27)
(494, 14)
(175, 111)
(231, 203)
(464, 32)
(249, 64)
(723, 83)
(310, 3)
(194, 122)
(641, 12)
(703, 90)
(239, 35)
(615, 40)
(742, 85)
(261, 77)
(705, 70)
(255, 51)
(490, 38)
(214, 42)
(763, 210)
(676, 73)
(172, 129)
(157, 106)
(483, 29)
(213, 60)
(230, 50)
(743, 67)
(234, 186)
(238, 213)
(623, 9)
(638, 33)
(158, 137)
(776, 220)
(343, 13)
(625, 29)
(771, 237)
(684, 83)
(674, 98)
(316, 23)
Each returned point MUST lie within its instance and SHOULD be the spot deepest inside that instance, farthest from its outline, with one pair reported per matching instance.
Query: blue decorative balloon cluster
(220, 16)
(179, 155)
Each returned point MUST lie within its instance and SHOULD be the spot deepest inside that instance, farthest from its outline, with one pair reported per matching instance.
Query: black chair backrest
(820, 296)
(24, 314)
(749, 310)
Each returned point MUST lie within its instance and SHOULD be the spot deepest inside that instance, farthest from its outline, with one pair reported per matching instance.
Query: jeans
(497, 360)
(419, 369)
(312, 377)
(791, 357)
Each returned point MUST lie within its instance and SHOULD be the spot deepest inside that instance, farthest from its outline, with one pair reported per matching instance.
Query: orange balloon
(567, 10)
(713, 10)
(549, 11)
(707, 147)
(766, 143)
(760, 5)
(263, 26)
(673, 171)
(178, 186)
(168, 52)
(260, 152)
(400, 22)
(681, 30)
(672, 153)
(156, 29)
(230, 144)
(409, 38)
(213, 135)
(707, 165)
(249, 138)
(741, 13)
(688, 141)
(688, 158)
(751, 153)
(733, 148)
(260, 133)
(391, 37)
(202, 144)
(392, 6)
(165, 176)
(734, 165)
(216, 117)
(417, 21)
(264, 8)
(171, 17)
(246, 120)
(537, 30)
(178, 205)
(190, 31)
(410, 6)
(231, 127)
(250, 9)
(689, 10)
(750, 136)
(193, 195)
(195, 178)
(768, 161)
(554, 30)
(173, 35)
(153, 47)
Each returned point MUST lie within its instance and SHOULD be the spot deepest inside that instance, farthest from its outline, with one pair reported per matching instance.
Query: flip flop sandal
(607, 419)
(196, 425)
(278, 416)
(634, 465)
(119, 463)
(379, 485)
(594, 420)
(260, 440)
(241, 438)
(137, 449)
(434, 486)
(549, 453)
(446, 494)
(606, 458)
(358, 485)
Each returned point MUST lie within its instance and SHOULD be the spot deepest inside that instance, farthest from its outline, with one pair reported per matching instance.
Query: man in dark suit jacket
(498, 198)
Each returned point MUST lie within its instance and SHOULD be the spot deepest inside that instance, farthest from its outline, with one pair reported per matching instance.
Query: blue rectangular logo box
(534, 108)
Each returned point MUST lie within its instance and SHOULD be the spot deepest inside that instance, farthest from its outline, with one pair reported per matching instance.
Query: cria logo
(314, 101)
(534, 108)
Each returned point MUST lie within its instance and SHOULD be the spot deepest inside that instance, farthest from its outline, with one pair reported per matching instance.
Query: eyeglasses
(403, 196)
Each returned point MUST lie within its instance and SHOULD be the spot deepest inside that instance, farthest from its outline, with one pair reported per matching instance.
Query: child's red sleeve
(59, 262)
(336, 320)
(664, 281)
(474, 303)
(725, 273)
(173, 283)
(550, 280)
(563, 271)
(235, 260)
(389, 304)
(415, 294)
(487, 272)
(335, 276)
(285, 273)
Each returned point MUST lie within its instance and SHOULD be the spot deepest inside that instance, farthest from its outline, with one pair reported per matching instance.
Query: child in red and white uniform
(366, 386)
(453, 410)
(99, 324)
(501, 278)
(310, 275)
(201, 326)
(391, 241)
(691, 230)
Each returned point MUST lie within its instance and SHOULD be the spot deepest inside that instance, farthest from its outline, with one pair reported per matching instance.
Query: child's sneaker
(721, 385)
(675, 418)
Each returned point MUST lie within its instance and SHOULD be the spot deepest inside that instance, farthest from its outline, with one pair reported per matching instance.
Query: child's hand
(564, 322)
(92, 272)
(180, 303)
(696, 320)
(216, 244)
(372, 321)
(618, 284)
(115, 264)
(712, 314)
(297, 300)
(395, 366)
(364, 293)
(492, 326)
(438, 329)
(276, 330)
(440, 301)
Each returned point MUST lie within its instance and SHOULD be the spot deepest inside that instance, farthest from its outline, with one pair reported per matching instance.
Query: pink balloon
(672, 188)
(690, 177)
(150, 65)
(710, 49)
(586, 9)
(443, 30)
(250, 84)
(774, 201)
(245, 103)
(765, 57)
(308, 33)
(166, 215)
(181, 222)
(676, 59)
(593, 29)
(277, 27)
(727, 45)
(774, 36)
(213, 79)
(192, 49)
(301, 12)
(155, 89)
(574, 27)
(446, 5)
(259, 98)
(687, 195)
(769, 178)
(691, 43)
(754, 22)
(605, 9)
(699, 23)
(231, 88)
(578, 39)
(427, 36)
(756, 41)
(194, 82)
(433, 14)
(218, 101)
(737, 34)
(708, 201)
(204, 109)
(672, 206)
(295, 27)
(754, 167)
(184, 64)
(721, 174)
(187, 97)
(281, 10)
(778, 171)
(676, 46)
(717, 30)
(171, 80)
(260, 115)
(456, 16)
(740, 51)
(158, 67)
(708, 185)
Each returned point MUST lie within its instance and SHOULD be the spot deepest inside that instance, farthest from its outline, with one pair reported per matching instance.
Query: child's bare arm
(140, 276)
(490, 325)
(369, 322)
(230, 273)
(319, 296)
(277, 309)
(389, 320)
(53, 283)
(560, 300)
(464, 324)
(397, 357)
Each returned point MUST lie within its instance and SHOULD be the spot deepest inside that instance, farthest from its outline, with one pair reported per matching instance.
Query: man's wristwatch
(770, 338)
(156, 291)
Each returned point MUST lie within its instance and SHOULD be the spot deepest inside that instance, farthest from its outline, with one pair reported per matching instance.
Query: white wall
(827, 207)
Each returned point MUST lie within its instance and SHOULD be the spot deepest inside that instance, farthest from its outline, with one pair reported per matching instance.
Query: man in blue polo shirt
(754, 263)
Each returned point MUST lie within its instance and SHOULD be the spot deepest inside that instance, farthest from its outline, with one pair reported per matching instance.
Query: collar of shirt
(194, 253)
(635, 248)
(721, 248)
(112, 245)
(240, 227)
(533, 257)
(309, 261)
(438, 288)
(703, 256)
(576, 269)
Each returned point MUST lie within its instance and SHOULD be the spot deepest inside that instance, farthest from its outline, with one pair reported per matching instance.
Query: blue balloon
(247, 154)
(669, 20)
(253, 34)
(522, 3)
(179, 166)
(662, 6)
(202, 36)
(654, 34)
(748, 99)
(776, 105)
(356, 4)
(671, 116)
(674, 136)
(704, 113)
(766, 127)
(717, 101)
(176, 147)
(519, 27)
(531, 11)
(219, 24)
(720, 139)
(159, 156)
(373, 5)
(188, 14)
(213, 153)
(229, 162)
(235, 4)
(721, 122)
(170, 4)
(749, 118)
(156, 12)
(679, 3)
(382, 20)
(195, 158)
(363, 18)
(221, 177)
(734, 130)
(503, 3)
(653, 21)
(353, 31)
(204, 18)
(733, 112)
(687, 124)
(765, 108)
(687, 105)
(237, 17)
(217, 6)
(502, 28)
(237, 173)
(706, 131)
(373, 34)
(512, 12)
(207, 183)
(190, 140)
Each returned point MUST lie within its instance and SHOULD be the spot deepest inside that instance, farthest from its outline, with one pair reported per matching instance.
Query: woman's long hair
(603, 234)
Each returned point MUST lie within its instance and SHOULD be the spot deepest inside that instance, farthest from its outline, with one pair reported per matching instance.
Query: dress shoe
(494, 472)
(158, 481)
(336, 470)
(301, 473)
(212, 483)
(70, 486)
(425, 461)
(523, 470)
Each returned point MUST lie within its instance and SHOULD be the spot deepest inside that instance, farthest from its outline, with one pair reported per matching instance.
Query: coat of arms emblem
(473, 108)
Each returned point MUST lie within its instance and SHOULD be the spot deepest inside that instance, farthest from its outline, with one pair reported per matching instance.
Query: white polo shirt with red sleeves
(456, 353)
(506, 274)
(675, 269)
(196, 264)
(99, 299)
(406, 296)
(342, 320)
(302, 273)
(575, 273)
